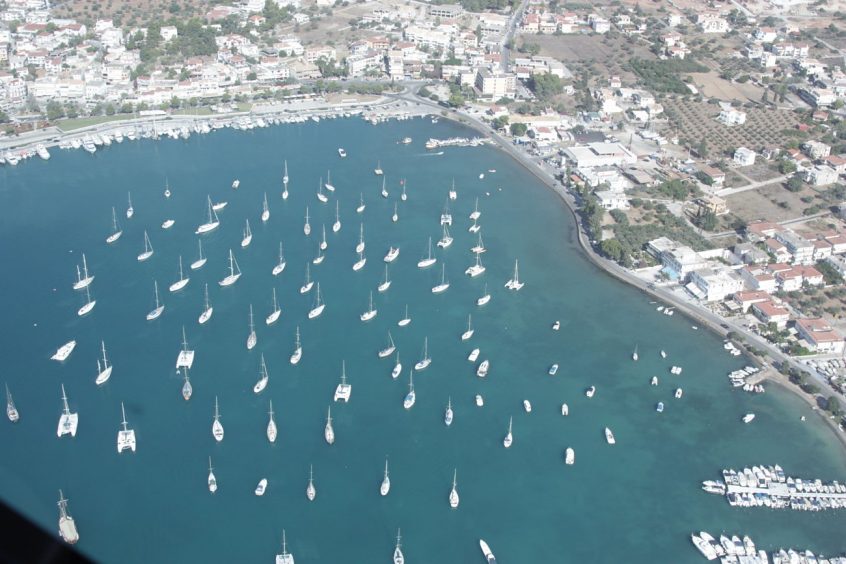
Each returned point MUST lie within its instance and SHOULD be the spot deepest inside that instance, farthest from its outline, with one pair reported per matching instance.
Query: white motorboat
(425, 361)
(280, 266)
(104, 371)
(514, 283)
(235, 184)
(329, 431)
(385, 487)
(341, 152)
(476, 269)
(311, 491)
(248, 236)
(444, 285)
(212, 221)
(448, 414)
(89, 304)
(156, 312)
(383, 287)
(429, 260)
(63, 352)
(200, 262)
(405, 320)
(212, 480)
(446, 239)
(371, 311)
(168, 223)
(275, 313)
(148, 249)
(207, 309)
(234, 271)
(271, 425)
(116, 231)
(67, 526)
(218, 206)
(749, 417)
(480, 401)
(306, 225)
(453, 493)
(654, 381)
(527, 405)
(556, 326)
(126, 436)
(411, 396)
(217, 426)
(183, 280)
(286, 557)
(265, 210)
(469, 333)
(344, 390)
(660, 407)
(484, 298)
(489, 557)
(509, 437)
(678, 393)
(389, 350)
(261, 487)
(482, 371)
(297, 355)
(393, 253)
(565, 409)
(590, 391)
(264, 377)
(11, 410)
(609, 436)
(570, 456)
(68, 422)
(553, 370)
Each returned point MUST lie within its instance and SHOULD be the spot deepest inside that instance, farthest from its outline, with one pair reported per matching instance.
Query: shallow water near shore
(637, 501)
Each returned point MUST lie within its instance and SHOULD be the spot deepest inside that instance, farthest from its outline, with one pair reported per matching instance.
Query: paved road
(754, 186)
(513, 22)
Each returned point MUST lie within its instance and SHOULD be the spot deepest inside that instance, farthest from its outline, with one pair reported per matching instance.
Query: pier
(767, 486)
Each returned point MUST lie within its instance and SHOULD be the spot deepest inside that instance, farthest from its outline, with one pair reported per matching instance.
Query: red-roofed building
(778, 250)
(746, 299)
(759, 230)
(819, 335)
(769, 312)
(838, 243)
(822, 249)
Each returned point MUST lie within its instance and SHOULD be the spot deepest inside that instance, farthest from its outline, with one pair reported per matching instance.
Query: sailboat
(453, 194)
(274, 315)
(148, 249)
(286, 557)
(298, 349)
(104, 371)
(429, 260)
(265, 210)
(212, 221)
(248, 236)
(329, 186)
(453, 494)
(187, 388)
(251, 338)
(212, 479)
(311, 491)
(320, 195)
(514, 283)
(130, 211)
(308, 282)
(474, 228)
(442, 287)
(634, 354)
(476, 269)
(469, 333)
(208, 309)
(217, 426)
(337, 225)
(11, 410)
(157, 311)
(126, 436)
(395, 217)
(389, 350)
(200, 262)
(405, 320)
(397, 369)
(271, 425)
(446, 217)
(446, 239)
(361, 206)
(393, 253)
(344, 390)
(411, 396)
(323, 243)
(371, 311)
(83, 278)
(116, 231)
(234, 271)
(68, 421)
(280, 266)
(378, 170)
(403, 196)
(448, 414)
(285, 182)
(318, 305)
(89, 304)
(386, 481)
(509, 438)
(425, 361)
(480, 246)
(359, 248)
(362, 260)
(67, 526)
(485, 297)
(476, 213)
(263, 377)
(329, 432)
(384, 190)
(383, 287)
(167, 189)
(399, 558)
(307, 225)
(182, 282)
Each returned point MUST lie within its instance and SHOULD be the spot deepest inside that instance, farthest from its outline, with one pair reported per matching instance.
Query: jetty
(456, 142)
(734, 550)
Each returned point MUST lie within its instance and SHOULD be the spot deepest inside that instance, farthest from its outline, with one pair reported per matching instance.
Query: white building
(612, 199)
(744, 156)
(681, 261)
(712, 285)
(495, 86)
(732, 117)
(820, 175)
(599, 154)
(168, 32)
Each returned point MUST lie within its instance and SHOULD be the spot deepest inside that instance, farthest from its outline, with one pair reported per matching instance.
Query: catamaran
(474, 228)
(361, 206)
(271, 425)
(399, 558)
(329, 186)
(67, 526)
(217, 426)
(286, 557)
(397, 369)
(208, 309)
(480, 246)
(405, 320)
(476, 269)
(156, 312)
(148, 249)
(371, 311)
(248, 236)
(485, 297)
(89, 304)
(126, 436)
(378, 170)
(130, 211)
(359, 248)
(307, 225)
(344, 390)
(285, 182)
(274, 315)
(362, 260)
(63, 352)
(446, 217)
(311, 491)
(234, 271)
(265, 210)
(212, 223)
(251, 338)
(212, 479)
(383, 287)
(453, 494)
(182, 282)
(187, 388)
(469, 333)
(11, 410)
(448, 414)
(395, 217)
(509, 438)
(442, 287)
(446, 239)
(83, 278)
(263, 377)
(68, 421)
(298, 349)
(318, 305)
(116, 231)
(200, 262)
(320, 195)
(389, 350)
(386, 481)
(429, 260)
(393, 253)
(453, 194)
(306, 287)
(514, 283)
(476, 213)
(425, 361)
(328, 431)
(411, 396)
(280, 266)
(104, 371)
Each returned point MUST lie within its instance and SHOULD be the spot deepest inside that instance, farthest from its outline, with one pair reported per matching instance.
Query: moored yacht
(469, 333)
(248, 235)
(344, 390)
(329, 431)
(386, 481)
(429, 260)
(337, 225)
(399, 558)
(130, 211)
(251, 338)
(609, 436)
(393, 253)
(116, 231)
(63, 352)
(514, 283)
(307, 225)
(234, 271)
(217, 426)
(397, 368)
(448, 414)
(271, 425)
(11, 410)
(187, 388)
(484, 298)
(425, 361)
(156, 312)
(148, 249)
(183, 280)
(280, 266)
(389, 350)
(405, 320)
(361, 205)
(212, 221)
(444, 285)
(212, 480)
(263, 377)
(67, 526)
(286, 557)
(68, 421)
(89, 304)
(509, 438)
(306, 287)
(446, 239)
(275, 313)
(383, 287)
(126, 436)
(476, 269)
(359, 264)
(359, 248)
(453, 494)
(265, 210)
(311, 491)
(83, 278)
(298, 349)
(104, 371)
(411, 396)
(371, 311)
(207, 309)
(200, 262)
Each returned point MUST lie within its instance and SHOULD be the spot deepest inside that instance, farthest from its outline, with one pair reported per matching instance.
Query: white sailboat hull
(229, 280)
(273, 317)
(103, 376)
(114, 237)
(316, 311)
(207, 227)
(206, 315)
(277, 270)
(178, 285)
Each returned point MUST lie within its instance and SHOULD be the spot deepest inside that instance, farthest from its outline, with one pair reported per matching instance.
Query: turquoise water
(636, 501)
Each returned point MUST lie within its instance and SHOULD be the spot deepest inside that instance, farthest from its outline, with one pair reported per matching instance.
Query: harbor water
(636, 501)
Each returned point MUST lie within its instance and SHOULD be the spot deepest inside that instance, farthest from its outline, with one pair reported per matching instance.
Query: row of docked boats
(737, 550)
(768, 486)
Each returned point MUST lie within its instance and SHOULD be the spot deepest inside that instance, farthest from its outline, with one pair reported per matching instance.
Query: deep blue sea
(636, 502)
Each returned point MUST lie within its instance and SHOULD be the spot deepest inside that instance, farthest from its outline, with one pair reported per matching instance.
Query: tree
(706, 220)
(518, 129)
(500, 122)
(795, 183)
(786, 167)
(833, 406)
(456, 100)
(612, 249)
(545, 85)
(54, 110)
(252, 75)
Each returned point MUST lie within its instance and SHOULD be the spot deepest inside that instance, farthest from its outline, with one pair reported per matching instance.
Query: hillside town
(706, 148)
